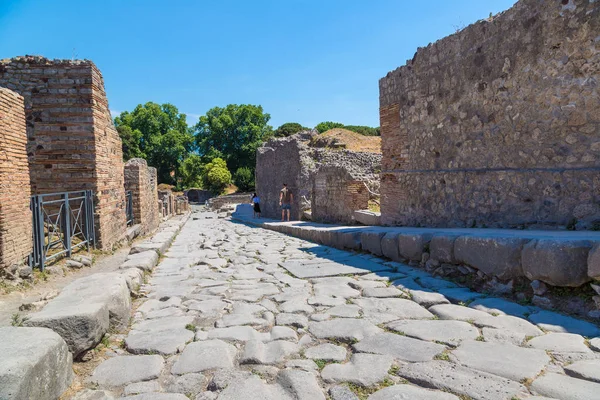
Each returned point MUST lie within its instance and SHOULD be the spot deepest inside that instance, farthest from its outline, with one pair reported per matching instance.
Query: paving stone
(296, 320)
(371, 242)
(586, 369)
(163, 336)
(327, 352)
(340, 392)
(300, 385)
(444, 375)
(362, 370)
(503, 336)
(223, 377)
(383, 292)
(400, 347)
(145, 261)
(304, 271)
(410, 392)
(389, 246)
(509, 323)
(306, 365)
(360, 284)
(428, 298)
(460, 294)
(254, 386)
(141, 387)
(396, 308)
(343, 329)
(460, 313)
(595, 344)
(27, 356)
(206, 306)
(257, 352)
(506, 360)
(188, 384)
(385, 276)
(566, 388)
(442, 248)
(158, 396)
(560, 342)
(327, 301)
(296, 306)
(555, 322)
(201, 356)
(436, 283)
(120, 371)
(345, 311)
(88, 394)
(496, 306)
(448, 332)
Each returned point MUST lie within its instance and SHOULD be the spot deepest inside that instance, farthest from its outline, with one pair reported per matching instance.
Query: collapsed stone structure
(498, 124)
(141, 180)
(15, 214)
(72, 142)
(313, 175)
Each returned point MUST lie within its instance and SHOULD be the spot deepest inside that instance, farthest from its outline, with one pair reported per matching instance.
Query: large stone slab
(400, 347)
(460, 313)
(410, 392)
(257, 352)
(371, 242)
(585, 369)
(162, 335)
(389, 246)
(556, 322)
(305, 271)
(560, 342)
(557, 262)
(120, 371)
(201, 356)
(593, 262)
(343, 329)
(385, 310)
(363, 370)
(413, 245)
(506, 360)
(327, 352)
(563, 387)
(495, 256)
(145, 261)
(35, 363)
(478, 385)
(441, 248)
(449, 332)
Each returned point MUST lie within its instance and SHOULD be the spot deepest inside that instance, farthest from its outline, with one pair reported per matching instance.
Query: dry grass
(354, 141)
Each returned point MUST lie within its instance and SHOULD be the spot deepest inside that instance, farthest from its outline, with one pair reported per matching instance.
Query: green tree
(327, 125)
(158, 133)
(244, 179)
(288, 129)
(216, 176)
(191, 171)
(364, 130)
(236, 131)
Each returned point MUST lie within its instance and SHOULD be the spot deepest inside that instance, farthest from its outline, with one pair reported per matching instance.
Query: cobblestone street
(235, 312)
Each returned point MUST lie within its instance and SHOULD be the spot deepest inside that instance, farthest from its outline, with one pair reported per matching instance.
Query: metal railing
(129, 207)
(62, 222)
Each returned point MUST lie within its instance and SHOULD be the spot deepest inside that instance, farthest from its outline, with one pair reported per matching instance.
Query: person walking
(255, 205)
(286, 197)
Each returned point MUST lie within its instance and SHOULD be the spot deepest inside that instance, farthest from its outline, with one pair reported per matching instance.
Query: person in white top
(256, 206)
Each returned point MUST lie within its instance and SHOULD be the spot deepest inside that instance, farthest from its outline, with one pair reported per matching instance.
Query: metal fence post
(67, 227)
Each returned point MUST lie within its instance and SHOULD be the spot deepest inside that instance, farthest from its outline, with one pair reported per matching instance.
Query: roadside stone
(428, 298)
(201, 356)
(456, 312)
(389, 246)
(74, 264)
(560, 342)
(371, 242)
(141, 387)
(400, 347)
(565, 388)
(340, 392)
(442, 248)
(186, 384)
(557, 262)
(343, 329)
(295, 320)
(498, 306)
(478, 385)
(593, 263)
(506, 360)
(495, 256)
(412, 246)
(410, 392)
(539, 287)
(586, 369)
(327, 352)
(554, 322)
(345, 311)
(595, 344)
(163, 336)
(448, 332)
(257, 352)
(35, 364)
(510, 324)
(120, 371)
(300, 385)
(363, 370)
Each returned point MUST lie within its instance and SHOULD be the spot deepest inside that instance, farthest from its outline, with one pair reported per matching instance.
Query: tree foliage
(288, 129)
(216, 176)
(158, 133)
(244, 179)
(235, 131)
(364, 130)
(327, 125)
(191, 171)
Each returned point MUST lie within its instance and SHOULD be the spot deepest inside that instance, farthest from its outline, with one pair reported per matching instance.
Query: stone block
(351, 240)
(36, 364)
(389, 246)
(371, 242)
(145, 261)
(441, 248)
(557, 262)
(593, 262)
(412, 246)
(495, 256)
(366, 217)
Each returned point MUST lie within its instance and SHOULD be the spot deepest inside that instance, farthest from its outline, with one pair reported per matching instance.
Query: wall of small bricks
(72, 142)
(336, 195)
(499, 124)
(141, 181)
(15, 215)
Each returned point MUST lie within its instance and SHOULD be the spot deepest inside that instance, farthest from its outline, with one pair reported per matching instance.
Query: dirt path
(10, 303)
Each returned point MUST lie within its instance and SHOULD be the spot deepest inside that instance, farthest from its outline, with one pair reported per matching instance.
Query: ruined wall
(498, 124)
(293, 161)
(139, 180)
(72, 143)
(15, 215)
(336, 194)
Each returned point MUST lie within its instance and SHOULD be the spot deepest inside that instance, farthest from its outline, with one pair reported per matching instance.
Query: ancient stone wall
(498, 124)
(139, 180)
(72, 143)
(15, 215)
(336, 194)
(293, 161)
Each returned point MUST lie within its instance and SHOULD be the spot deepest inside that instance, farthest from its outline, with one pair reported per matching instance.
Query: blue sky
(304, 61)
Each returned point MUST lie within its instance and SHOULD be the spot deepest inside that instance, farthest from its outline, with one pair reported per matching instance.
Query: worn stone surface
(120, 371)
(344, 329)
(563, 387)
(28, 354)
(401, 392)
(586, 369)
(400, 347)
(500, 257)
(200, 356)
(412, 246)
(448, 332)
(362, 370)
(326, 351)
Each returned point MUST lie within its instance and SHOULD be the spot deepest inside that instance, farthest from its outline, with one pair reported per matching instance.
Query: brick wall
(498, 124)
(141, 181)
(336, 195)
(72, 143)
(15, 215)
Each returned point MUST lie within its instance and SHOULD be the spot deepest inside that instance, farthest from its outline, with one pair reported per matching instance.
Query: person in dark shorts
(255, 205)
(285, 201)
